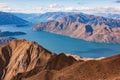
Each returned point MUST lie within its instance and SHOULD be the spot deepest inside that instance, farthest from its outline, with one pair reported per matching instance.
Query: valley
(59, 39)
(68, 45)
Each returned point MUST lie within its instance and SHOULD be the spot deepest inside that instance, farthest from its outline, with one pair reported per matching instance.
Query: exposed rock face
(87, 27)
(60, 61)
(20, 59)
(105, 69)
(21, 56)
(23, 60)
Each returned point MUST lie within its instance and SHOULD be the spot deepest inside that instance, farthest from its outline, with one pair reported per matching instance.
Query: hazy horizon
(31, 6)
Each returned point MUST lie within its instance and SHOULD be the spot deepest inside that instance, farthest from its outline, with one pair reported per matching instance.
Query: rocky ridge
(24, 60)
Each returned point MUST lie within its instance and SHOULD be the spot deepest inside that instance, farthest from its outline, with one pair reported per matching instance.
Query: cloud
(108, 9)
(51, 8)
(78, 9)
(39, 9)
(55, 6)
(93, 9)
(117, 1)
(5, 7)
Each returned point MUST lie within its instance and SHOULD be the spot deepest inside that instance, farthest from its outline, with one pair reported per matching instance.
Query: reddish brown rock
(105, 69)
(24, 60)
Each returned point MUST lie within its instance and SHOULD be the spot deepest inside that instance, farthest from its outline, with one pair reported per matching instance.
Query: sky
(41, 6)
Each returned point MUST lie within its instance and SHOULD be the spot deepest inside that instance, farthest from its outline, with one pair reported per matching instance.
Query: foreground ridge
(24, 60)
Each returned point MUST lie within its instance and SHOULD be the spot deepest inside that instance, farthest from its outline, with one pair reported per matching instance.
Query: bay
(64, 44)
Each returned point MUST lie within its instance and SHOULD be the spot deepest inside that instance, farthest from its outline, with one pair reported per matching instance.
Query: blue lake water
(59, 43)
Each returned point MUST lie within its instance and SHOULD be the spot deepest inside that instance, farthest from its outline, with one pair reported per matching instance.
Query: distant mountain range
(109, 15)
(10, 19)
(73, 24)
(44, 17)
(51, 16)
(28, 17)
(83, 26)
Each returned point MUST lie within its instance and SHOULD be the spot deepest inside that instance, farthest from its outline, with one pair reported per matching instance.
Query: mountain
(52, 16)
(20, 58)
(37, 18)
(109, 15)
(83, 26)
(24, 60)
(105, 69)
(10, 19)
(5, 36)
(27, 16)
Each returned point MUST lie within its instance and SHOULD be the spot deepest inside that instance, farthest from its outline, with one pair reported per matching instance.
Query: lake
(59, 43)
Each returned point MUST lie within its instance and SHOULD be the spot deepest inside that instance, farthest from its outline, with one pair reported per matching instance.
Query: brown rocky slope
(87, 27)
(24, 60)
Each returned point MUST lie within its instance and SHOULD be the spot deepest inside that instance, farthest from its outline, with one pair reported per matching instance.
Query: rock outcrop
(87, 27)
(105, 69)
(24, 60)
